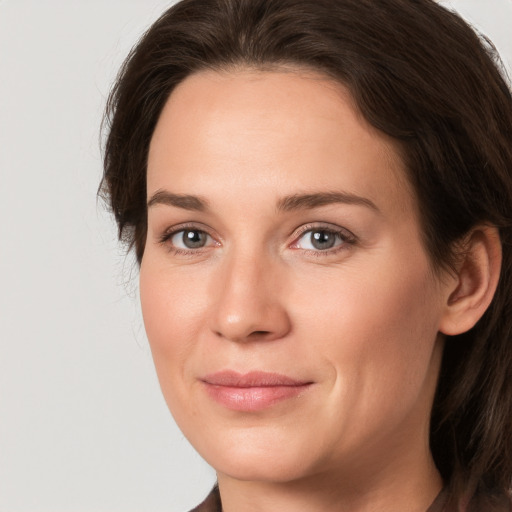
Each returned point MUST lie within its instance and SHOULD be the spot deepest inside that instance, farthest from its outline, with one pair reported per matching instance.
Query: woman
(319, 195)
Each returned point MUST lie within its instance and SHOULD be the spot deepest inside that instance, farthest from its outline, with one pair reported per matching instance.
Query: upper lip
(260, 379)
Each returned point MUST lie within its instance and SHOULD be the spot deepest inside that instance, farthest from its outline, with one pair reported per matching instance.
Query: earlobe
(475, 283)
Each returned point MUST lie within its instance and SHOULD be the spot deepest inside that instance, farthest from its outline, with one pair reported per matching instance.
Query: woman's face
(290, 306)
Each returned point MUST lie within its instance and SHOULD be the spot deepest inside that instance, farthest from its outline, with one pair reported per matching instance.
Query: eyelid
(346, 235)
(168, 233)
(325, 226)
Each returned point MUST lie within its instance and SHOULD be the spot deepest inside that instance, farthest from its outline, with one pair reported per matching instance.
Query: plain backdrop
(83, 426)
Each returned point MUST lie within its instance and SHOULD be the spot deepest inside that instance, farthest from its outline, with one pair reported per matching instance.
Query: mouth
(253, 391)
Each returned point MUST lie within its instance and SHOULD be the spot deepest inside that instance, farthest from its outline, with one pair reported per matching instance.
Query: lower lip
(252, 399)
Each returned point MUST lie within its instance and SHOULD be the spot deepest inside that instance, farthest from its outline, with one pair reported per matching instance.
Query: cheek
(172, 301)
(172, 308)
(172, 318)
(384, 307)
(378, 332)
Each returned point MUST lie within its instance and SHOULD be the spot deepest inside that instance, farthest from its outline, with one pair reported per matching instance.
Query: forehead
(271, 127)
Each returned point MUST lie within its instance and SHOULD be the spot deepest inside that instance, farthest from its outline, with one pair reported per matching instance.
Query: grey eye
(320, 240)
(190, 239)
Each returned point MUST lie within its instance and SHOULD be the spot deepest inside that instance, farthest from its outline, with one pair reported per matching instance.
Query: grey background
(83, 426)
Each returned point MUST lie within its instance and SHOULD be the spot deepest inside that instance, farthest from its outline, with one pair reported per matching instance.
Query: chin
(269, 468)
(258, 458)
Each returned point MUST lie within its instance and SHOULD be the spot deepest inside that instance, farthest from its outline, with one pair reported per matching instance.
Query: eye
(322, 239)
(189, 239)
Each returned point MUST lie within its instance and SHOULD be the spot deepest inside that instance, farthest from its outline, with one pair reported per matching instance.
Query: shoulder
(491, 502)
(482, 501)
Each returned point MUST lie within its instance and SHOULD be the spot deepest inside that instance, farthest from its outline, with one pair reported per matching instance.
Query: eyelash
(346, 238)
(169, 234)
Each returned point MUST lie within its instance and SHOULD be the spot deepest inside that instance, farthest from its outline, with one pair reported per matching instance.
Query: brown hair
(418, 73)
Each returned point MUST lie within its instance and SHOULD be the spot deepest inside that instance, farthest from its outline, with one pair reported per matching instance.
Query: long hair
(418, 73)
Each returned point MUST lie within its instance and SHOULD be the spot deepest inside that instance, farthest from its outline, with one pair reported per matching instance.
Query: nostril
(254, 335)
(259, 334)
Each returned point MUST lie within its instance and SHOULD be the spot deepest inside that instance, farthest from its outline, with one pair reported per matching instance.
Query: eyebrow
(184, 201)
(286, 204)
(310, 201)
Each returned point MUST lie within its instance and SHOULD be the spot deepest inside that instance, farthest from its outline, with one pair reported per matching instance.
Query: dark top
(481, 502)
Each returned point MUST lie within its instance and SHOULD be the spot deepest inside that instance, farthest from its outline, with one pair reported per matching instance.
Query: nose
(248, 304)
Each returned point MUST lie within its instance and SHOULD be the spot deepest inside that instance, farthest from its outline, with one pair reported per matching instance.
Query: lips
(253, 391)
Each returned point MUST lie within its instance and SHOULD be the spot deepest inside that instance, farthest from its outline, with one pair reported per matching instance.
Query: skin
(360, 321)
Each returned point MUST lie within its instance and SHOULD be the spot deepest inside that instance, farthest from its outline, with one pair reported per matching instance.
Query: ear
(475, 282)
